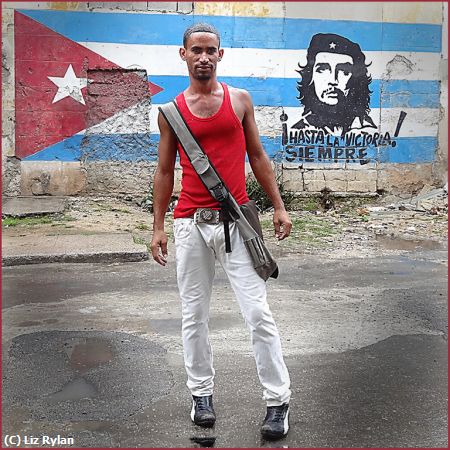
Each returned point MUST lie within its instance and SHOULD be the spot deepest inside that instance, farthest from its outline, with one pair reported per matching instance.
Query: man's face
(331, 74)
(201, 55)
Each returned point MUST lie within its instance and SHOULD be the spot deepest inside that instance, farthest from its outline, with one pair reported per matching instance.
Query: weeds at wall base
(51, 219)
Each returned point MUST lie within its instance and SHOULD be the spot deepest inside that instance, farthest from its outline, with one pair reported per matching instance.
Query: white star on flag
(69, 86)
(332, 45)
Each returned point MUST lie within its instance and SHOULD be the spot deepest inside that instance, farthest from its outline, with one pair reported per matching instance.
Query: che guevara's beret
(333, 43)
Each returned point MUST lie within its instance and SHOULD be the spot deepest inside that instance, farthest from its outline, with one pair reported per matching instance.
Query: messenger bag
(245, 216)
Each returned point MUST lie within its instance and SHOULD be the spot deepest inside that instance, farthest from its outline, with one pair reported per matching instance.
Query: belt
(207, 215)
(213, 217)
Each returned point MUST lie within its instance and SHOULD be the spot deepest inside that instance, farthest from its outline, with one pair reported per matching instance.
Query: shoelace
(278, 415)
(202, 404)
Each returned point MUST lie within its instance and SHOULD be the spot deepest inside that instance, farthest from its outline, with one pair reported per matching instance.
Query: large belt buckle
(206, 215)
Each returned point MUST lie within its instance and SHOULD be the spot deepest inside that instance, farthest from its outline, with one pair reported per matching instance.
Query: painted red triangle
(41, 53)
(154, 88)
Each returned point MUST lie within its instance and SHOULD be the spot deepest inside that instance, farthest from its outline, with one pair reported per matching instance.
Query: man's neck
(202, 87)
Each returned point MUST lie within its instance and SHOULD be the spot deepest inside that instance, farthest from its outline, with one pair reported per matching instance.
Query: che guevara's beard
(340, 115)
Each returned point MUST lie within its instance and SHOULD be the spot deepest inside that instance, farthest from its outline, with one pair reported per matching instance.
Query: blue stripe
(248, 32)
(407, 150)
(420, 149)
(410, 94)
(67, 150)
(101, 147)
(410, 150)
(283, 91)
(143, 147)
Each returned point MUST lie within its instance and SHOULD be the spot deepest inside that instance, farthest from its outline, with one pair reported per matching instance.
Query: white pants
(197, 246)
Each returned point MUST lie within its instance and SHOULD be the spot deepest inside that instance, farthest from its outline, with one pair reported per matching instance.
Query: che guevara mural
(334, 91)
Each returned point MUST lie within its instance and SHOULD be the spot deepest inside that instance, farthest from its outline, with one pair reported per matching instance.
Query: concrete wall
(82, 82)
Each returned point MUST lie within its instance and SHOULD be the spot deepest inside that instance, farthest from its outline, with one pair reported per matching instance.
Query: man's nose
(334, 80)
(337, 74)
(204, 57)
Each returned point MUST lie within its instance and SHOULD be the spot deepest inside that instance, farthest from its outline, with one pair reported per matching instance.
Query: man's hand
(282, 224)
(159, 247)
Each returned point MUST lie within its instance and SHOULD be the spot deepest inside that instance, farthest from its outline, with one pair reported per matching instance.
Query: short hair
(200, 27)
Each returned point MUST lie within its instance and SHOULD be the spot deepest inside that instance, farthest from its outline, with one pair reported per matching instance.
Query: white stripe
(263, 63)
(134, 119)
(418, 121)
(137, 119)
(193, 410)
(286, 422)
(405, 12)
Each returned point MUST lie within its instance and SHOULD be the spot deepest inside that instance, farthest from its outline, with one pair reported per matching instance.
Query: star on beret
(332, 45)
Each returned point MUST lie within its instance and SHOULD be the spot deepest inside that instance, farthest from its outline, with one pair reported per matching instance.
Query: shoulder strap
(259, 254)
(194, 152)
(204, 168)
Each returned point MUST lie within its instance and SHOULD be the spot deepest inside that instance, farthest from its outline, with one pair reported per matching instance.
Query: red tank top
(222, 139)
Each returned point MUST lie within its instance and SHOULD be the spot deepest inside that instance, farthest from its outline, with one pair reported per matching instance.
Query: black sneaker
(202, 412)
(276, 422)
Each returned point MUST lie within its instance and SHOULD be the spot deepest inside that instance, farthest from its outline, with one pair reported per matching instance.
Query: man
(222, 120)
(335, 86)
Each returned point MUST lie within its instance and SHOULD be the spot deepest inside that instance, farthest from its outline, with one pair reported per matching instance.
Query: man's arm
(262, 169)
(162, 189)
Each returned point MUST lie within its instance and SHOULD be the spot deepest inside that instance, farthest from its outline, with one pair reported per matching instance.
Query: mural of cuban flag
(65, 112)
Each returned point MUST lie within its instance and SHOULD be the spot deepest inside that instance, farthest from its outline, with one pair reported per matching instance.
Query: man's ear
(220, 54)
(182, 53)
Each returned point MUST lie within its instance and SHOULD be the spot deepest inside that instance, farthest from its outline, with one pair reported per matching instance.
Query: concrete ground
(92, 351)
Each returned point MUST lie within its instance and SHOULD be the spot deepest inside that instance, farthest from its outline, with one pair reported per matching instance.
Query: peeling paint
(40, 185)
(252, 9)
(111, 90)
(11, 176)
(268, 120)
(7, 21)
(416, 12)
(108, 89)
(63, 6)
(135, 119)
(105, 177)
(52, 178)
(185, 7)
(399, 66)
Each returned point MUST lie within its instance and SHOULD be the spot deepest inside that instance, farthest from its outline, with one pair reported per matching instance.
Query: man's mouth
(331, 93)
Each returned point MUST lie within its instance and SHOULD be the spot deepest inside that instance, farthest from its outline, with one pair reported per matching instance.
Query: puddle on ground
(394, 243)
(204, 441)
(74, 390)
(89, 353)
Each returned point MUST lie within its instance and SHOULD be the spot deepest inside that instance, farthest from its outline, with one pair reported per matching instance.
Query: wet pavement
(93, 352)
(397, 243)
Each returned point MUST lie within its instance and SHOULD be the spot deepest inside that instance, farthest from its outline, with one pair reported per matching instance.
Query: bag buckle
(219, 192)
